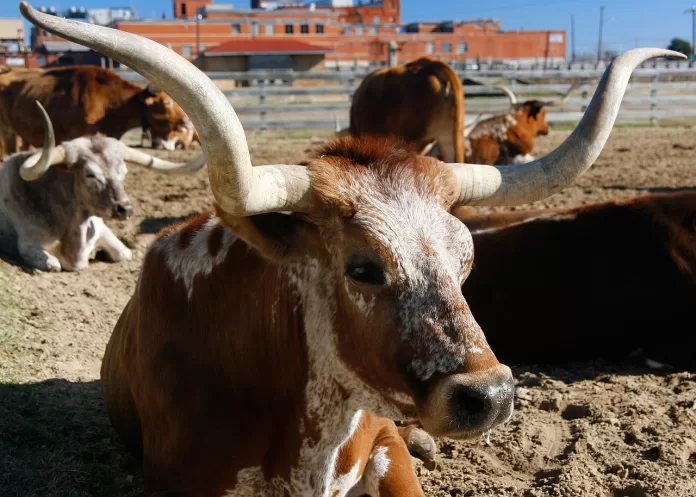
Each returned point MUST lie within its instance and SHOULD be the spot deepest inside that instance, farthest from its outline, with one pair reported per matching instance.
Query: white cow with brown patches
(255, 340)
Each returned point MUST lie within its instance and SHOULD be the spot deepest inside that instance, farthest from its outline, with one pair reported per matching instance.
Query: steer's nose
(467, 404)
(480, 403)
(123, 210)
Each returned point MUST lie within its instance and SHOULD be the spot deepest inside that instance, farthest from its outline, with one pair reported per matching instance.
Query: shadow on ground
(56, 440)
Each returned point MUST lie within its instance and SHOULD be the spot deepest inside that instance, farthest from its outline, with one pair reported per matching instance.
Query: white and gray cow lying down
(52, 201)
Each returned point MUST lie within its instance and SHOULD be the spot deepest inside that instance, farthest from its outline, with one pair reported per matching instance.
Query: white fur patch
(194, 259)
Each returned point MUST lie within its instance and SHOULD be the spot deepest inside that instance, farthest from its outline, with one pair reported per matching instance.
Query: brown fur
(420, 101)
(375, 432)
(595, 281)
(496, 141)
(207, 385)
(81, 100)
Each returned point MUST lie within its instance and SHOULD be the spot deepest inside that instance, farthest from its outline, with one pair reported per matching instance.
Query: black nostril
(124, 210)
(467, 401)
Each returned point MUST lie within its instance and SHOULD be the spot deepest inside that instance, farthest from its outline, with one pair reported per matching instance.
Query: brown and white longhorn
(256, 338)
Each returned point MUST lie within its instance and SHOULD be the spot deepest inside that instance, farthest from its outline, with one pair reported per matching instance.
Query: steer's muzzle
(123, 210)
(468, 404)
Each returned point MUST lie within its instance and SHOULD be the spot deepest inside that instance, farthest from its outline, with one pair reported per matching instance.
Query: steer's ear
(278, 237)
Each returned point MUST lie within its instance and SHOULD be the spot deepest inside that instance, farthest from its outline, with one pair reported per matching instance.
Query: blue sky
(628, 23)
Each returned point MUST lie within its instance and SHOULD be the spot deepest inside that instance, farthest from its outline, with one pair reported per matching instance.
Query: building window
(347, 30)
(255, 29)
(289, 29)
(373, 31)
(375, 20)
(359, 30)
(429, 47)
(268, 29)
(304, 29)
(446, 48)
(320, 29)
(236, 29)
(203, 47)
(462, 47)
(556, 38)
(183, 9)
(186, 50)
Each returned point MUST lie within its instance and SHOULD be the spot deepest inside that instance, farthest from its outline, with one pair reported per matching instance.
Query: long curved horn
(146, 160)
(510, 94)
(239, 189)
(514, 185)
(562, 101)
(470, 127)
(37, 164)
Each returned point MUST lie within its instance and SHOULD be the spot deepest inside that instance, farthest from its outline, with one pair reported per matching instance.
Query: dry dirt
(590, 429)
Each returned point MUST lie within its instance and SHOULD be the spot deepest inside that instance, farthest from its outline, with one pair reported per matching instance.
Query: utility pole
(692, 11)
(572, 38)
(601, 28)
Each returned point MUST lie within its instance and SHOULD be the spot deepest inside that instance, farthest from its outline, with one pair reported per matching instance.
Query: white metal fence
(271, 100)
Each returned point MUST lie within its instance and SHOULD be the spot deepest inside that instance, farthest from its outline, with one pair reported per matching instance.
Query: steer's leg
(389, 468)
(78, 244)
(114, 247)
(36, 257)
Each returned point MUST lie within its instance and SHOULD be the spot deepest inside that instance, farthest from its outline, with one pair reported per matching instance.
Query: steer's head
(397, 260)
(98, 166)
(532, 115)
(374, 219)
(169, 125)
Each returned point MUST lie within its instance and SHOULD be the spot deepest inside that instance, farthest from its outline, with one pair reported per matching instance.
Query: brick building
(354, 33)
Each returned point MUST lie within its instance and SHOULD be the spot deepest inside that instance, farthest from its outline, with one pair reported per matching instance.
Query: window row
(462, 47)
(269, 29)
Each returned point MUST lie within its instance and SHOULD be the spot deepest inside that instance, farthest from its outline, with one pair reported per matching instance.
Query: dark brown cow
(420, 102)
(84, 100)
(598, 281)
(257, 335)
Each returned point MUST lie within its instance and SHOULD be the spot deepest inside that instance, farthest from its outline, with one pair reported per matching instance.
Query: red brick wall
(372, 48)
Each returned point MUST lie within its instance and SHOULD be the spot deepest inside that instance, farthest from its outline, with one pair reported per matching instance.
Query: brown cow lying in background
(84, 100)
(598, 281)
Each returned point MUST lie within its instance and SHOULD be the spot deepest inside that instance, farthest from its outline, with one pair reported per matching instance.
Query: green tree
(679, 45)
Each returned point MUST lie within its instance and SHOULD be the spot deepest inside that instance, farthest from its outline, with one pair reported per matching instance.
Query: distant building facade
(352, 33)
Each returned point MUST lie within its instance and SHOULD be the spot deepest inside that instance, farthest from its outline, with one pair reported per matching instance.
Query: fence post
(351, 89)
(262, 101)
(653, 99)
(585, 94)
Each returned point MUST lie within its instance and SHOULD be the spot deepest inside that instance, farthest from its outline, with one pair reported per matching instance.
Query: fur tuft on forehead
(99, 148)
(347, 169)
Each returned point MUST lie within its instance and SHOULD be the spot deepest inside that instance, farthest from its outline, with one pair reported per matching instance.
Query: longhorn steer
(84, 100)
(54, 213)
(352, 302)
(597, 281)
(420, 102)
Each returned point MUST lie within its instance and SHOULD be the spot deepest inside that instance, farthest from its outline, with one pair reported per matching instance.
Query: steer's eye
(91, 175)
(365, 271)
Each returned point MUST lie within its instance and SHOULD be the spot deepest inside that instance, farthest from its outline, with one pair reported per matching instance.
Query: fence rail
(647, 69)
(286, 106)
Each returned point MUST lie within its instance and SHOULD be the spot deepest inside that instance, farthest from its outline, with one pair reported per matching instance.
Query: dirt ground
(589, 429)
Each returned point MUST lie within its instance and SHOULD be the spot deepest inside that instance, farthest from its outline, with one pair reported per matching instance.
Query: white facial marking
(194, 259)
